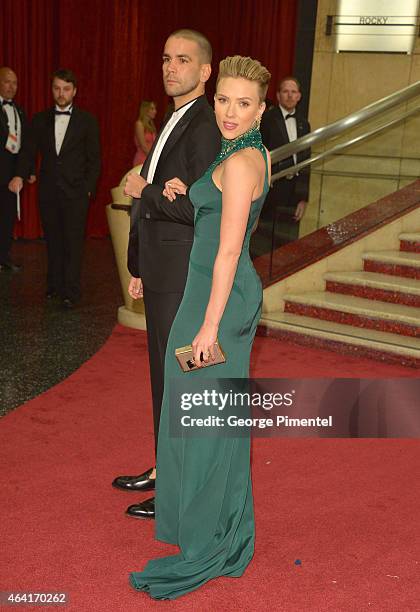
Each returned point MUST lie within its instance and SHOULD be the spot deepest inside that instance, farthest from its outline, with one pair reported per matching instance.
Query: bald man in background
(12, 131)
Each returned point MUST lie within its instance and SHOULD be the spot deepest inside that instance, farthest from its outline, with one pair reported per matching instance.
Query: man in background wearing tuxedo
(12, 133)
(287, 200)
(161, 232)
(68, 141)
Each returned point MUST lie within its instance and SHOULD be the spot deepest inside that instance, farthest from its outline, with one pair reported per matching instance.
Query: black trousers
(64, 221)
(279, 209)
(7, 222)
(160, 310)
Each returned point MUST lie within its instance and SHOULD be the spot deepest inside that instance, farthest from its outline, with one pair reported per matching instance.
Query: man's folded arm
(161, 209)
(204, 146)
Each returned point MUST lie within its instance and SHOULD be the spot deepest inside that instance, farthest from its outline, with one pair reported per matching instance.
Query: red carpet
(348, 509)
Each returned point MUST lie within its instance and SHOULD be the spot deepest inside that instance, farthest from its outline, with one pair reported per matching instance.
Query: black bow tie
(8, 102)
(290, 116)
(57, 112)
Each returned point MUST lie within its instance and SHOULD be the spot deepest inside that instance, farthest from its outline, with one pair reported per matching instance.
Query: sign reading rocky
(376, 25)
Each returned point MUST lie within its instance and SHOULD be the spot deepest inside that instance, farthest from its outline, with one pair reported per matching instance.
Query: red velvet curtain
(115, 49)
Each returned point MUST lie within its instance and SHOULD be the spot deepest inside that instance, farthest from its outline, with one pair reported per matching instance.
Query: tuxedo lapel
(71, 129)
(20, 113)
(179, 129)
(51, 129)
(146, 165)
(282, 125)
(3, 118)
(300, 127)
(174, 137)
(3, 121)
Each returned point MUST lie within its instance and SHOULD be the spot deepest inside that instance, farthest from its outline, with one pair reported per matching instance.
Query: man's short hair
(288, 78)
(65, 75)
(202, 42)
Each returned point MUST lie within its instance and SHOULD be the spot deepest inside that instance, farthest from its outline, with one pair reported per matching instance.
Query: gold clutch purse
(184, 355)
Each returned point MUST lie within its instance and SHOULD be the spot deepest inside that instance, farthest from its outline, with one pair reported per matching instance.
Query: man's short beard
(183, 92)
(66, 103)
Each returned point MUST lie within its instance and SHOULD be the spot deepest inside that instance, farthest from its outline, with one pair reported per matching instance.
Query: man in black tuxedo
(68, 140)
(287, 199)
(161, 232)
(12, 133)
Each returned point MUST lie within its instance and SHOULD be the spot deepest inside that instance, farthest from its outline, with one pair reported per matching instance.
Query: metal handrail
(341, 125)
(367, 175)
(340, 146)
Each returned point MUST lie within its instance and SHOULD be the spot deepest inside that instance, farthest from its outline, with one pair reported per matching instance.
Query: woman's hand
(204, 343)
(135, 288)
(173, 187)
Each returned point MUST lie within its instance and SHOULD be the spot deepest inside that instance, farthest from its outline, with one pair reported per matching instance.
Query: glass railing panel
(350, 179)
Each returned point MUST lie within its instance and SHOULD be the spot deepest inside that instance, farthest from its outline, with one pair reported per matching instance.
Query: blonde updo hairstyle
(237, 66)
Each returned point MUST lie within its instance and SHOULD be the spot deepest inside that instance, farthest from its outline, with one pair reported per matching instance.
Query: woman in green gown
(203, 487)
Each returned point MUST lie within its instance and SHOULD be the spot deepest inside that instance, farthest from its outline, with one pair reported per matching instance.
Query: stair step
(375, 286)
(410, 236)
(397, 257)
(388, 347)
(351, 310)
(396, 263)
(410, 242)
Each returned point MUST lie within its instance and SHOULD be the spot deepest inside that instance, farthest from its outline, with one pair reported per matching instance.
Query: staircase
(373, 313)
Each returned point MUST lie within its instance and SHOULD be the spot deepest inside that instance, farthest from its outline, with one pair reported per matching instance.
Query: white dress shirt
(290, 126)
(164, 135)
(61, 125)
(13, 120)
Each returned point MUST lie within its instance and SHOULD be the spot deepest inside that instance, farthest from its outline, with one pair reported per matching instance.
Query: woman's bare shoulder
(244, 159)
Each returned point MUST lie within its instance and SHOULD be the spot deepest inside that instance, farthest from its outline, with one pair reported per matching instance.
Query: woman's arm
(139, 132)
(241, 177)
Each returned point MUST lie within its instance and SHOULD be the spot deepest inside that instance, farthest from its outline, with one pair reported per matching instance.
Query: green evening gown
(203, 489)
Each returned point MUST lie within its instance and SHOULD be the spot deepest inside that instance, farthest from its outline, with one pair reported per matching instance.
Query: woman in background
(144, 131)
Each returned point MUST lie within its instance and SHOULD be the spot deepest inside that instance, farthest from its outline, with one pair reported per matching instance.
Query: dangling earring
(256, 124)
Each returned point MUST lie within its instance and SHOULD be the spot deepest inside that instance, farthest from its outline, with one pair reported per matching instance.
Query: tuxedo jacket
(9, 161)
(76, 169)
(161, 232)
(274, 134)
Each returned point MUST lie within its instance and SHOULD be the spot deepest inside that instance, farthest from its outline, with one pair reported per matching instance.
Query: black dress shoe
(144, 510)
(68, 304)
(51, 295)
(10, 267)
(143, 482)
